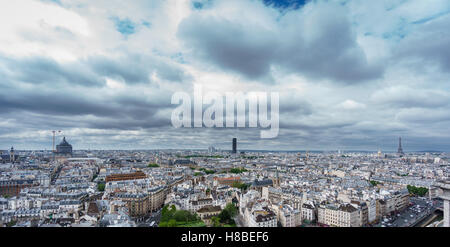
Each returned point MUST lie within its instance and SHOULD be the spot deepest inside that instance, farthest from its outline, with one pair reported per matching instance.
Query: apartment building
(308, 212)
(344, 215)
(289, 217)
(263, 217)
(142, 203)
(125, 176)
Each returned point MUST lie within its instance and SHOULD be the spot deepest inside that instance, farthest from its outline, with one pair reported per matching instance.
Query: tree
(215, 221)
(181, 215)
(11, 223)
(238, 170)
(420, 191)
(172, 223)
(164, 210)
(209, 171)
(224, 216)
(172, 217)
(101, 187)
(239, 185)
(374, 183)
(231, 209)
(227, 214)
(166, 213)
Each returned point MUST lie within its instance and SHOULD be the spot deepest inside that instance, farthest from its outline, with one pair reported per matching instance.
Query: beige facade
(290, 217)
(141, 204)
(344, 215)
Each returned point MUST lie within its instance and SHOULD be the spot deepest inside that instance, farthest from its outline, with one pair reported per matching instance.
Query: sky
(351, 75)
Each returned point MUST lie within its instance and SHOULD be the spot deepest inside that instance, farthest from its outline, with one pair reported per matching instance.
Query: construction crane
(54, 132)
(53, 148)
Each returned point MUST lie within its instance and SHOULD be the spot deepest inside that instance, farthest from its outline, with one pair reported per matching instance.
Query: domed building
(64, 148)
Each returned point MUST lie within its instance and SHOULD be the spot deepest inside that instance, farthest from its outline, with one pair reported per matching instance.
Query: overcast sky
(352, 75)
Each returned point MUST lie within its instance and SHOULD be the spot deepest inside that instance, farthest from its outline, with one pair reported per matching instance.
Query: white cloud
(31, 27)
(351, 105)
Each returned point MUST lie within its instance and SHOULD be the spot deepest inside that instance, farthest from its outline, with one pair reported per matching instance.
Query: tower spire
(12, 156)
(400, 149)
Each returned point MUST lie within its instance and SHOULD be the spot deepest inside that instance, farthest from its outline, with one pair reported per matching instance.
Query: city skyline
(223, 148)
(351, 76)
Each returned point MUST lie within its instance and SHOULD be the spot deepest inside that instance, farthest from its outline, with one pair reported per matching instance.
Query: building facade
(344, 215)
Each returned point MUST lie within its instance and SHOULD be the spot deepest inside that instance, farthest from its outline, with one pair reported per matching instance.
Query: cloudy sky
(352, 75)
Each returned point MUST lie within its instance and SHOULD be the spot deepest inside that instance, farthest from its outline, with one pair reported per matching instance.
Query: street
(419, 209)
(152, 220)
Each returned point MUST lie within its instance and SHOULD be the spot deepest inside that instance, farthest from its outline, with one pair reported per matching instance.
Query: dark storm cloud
(147, 122)
(139, 101)
(428, 44)
(31, 120)
(42, 70)
(294, 108)
(129, 69)
(319, 44)
(59, 103)
(44, 108)
(55, 102)
(316, 126)
(331, 51)
(230, 45)
(41, 93)
(134, 68)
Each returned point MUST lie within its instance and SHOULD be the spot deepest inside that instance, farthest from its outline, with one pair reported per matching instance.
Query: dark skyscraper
(400, 149)
(234, 145)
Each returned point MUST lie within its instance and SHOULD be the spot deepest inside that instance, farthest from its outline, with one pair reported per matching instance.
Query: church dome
(64, 147)
(64, 142)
